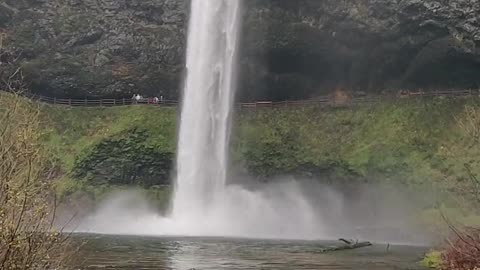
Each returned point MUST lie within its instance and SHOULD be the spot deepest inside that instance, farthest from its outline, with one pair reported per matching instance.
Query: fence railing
(365, 99)
(322, 101)
(444, 93)
(100, 102)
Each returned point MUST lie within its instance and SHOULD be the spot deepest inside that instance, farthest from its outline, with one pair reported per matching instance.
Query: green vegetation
(424, 144)
(100, 150)
(28, 239)
(75, 132)
(403, 141)
(432, 260)
(416, 142)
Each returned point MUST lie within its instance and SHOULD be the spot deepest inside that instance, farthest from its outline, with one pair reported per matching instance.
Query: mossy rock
(125, 160)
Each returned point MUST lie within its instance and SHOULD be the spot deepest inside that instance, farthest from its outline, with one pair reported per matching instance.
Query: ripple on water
(135, 253)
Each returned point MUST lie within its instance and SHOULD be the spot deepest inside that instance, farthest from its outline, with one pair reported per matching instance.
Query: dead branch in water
(348, 244)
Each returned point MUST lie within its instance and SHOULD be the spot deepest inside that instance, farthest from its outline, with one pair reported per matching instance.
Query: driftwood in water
(349, 244)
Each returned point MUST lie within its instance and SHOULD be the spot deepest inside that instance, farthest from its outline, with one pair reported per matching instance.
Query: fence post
(54, 100)
(86, 102)
(101, 102)
(70, 102)
(114, 101)
(123, 100)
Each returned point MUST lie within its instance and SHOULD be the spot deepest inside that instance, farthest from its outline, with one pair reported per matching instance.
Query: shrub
(27, 206)
(125, 160)
(433, 260)
(463, 252)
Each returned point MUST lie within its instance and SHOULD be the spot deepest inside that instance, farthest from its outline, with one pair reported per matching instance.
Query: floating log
(348, 244)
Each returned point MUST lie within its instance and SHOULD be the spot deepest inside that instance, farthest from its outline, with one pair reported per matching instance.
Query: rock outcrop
(290, 49)
(99, 47)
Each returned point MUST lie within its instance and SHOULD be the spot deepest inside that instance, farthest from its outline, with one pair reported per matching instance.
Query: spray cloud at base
(283, 209)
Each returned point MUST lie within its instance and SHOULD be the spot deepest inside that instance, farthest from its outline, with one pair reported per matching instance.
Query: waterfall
(204, 204)
(207, 105)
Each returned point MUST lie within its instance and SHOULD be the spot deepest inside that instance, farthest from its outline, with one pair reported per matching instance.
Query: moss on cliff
(75, 131)
(105, 147)
(415, 142)
(394, 140)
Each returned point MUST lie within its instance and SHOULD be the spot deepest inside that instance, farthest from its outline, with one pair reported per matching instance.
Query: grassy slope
(402, 139)
(75, 133)
(415, 142)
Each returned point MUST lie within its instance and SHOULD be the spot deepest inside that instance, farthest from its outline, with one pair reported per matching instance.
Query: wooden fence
(319, 101)
(100, 102)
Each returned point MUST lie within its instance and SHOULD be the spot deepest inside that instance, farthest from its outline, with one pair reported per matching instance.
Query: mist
(286, 208)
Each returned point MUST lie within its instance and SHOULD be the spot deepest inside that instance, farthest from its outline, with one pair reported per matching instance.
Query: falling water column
(206, 110)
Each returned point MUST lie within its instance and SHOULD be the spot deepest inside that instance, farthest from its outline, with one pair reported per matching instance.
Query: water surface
(135, 253)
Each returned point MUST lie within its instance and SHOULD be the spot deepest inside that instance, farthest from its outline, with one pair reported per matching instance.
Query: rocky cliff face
(308, 47)
(291, 49)
(84, 48)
